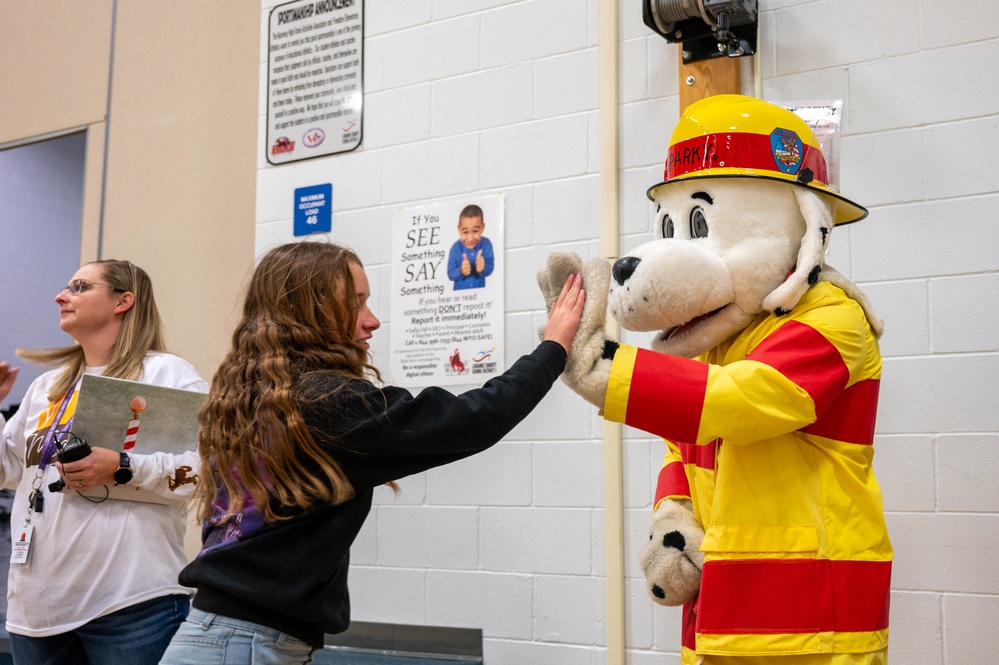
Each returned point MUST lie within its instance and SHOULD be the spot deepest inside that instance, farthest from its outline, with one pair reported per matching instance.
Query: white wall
(464, 96)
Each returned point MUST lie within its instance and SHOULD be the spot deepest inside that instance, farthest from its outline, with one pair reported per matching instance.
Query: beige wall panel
(181, 180)
(53, 66)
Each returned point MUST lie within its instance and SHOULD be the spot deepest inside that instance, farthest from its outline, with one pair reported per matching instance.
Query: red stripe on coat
(666, 395)
(758, 596)
(672, 482)
(688, 624)
(700, 456)
(851, 416)
(805, 357)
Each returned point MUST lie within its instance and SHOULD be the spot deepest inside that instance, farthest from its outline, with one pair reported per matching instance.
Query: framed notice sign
(315, 89)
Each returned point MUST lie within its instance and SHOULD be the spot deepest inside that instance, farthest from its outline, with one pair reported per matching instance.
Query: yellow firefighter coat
(770, 435)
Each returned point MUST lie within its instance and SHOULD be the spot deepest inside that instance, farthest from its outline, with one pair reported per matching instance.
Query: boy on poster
(471, 258)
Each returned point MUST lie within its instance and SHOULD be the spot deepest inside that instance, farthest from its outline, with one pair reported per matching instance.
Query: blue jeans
(135, 635)
(212, 639)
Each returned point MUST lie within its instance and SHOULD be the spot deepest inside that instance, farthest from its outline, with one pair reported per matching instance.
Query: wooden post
(717, 76)
(609, 237)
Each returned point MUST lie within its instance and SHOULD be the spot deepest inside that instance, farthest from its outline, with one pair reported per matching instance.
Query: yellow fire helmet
(728, 136)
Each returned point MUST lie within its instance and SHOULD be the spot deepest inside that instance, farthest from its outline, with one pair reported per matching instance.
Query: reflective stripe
(850, 417)
(788, 596)
(807, 358)
(655, 405)
(638, 396)
(672, 482)
(688, 623)
(702, 456)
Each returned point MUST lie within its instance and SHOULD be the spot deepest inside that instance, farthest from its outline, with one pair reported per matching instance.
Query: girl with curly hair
(295, 435)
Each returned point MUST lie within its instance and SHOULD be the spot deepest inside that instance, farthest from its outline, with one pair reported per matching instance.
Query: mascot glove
(672, 559)
(587, 370)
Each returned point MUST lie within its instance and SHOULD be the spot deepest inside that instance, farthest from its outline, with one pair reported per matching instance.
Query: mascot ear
(810, 262)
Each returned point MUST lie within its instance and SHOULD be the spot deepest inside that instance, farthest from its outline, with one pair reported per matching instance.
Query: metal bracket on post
(707, 29)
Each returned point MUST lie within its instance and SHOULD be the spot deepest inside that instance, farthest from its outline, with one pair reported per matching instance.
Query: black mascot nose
(623, 268)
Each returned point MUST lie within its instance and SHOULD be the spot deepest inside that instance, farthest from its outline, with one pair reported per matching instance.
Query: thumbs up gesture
(480, 263)
(466, 266)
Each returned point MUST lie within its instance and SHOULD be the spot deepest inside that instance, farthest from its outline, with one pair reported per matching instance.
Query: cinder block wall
(467, 97)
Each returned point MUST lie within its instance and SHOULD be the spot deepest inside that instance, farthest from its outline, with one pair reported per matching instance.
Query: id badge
(22, 546)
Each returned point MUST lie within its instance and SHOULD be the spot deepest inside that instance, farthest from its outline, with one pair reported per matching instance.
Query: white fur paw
(587, 370)
(672, 559)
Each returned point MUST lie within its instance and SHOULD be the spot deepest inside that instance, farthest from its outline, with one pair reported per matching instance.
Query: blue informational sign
(313, 208)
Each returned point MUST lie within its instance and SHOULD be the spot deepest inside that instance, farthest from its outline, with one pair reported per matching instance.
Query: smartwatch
(123, 474)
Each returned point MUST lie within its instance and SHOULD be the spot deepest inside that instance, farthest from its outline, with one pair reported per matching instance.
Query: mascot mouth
(684, 328)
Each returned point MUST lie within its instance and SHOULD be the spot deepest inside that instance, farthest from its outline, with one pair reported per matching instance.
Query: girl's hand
(563, 319)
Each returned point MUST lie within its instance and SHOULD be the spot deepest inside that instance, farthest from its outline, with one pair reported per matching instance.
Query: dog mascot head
(743, 219)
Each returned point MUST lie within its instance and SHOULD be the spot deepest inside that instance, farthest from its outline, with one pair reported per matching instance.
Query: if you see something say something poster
(447, 292)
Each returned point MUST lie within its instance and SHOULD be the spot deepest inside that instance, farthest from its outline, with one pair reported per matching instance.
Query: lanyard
(49, 442)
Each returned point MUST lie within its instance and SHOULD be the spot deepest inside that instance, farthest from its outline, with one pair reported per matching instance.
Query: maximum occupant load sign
(315, 89)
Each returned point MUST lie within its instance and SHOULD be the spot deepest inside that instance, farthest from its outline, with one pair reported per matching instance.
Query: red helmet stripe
(742, 150)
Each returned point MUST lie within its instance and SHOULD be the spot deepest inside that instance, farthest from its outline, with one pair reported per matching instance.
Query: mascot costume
(763, 376)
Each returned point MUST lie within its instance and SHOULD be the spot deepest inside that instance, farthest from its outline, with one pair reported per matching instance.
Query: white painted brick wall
(527, 31)
(964, 313)
(453, 536)
(948, 551)
(969, 625)
(534, 152)
(388, 595)
(403, 114)
(931, 239)
(917, 616)
(499, 604)
(968, 471)
(431, 52)
(558, 617)
(536, 540)
(807, 33)
(469, 96)
(393, 15)
(491, 98)
(503, 478)
(565, 84)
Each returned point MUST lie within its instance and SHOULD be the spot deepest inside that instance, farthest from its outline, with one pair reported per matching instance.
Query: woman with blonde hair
(294, 437)
(92, 580)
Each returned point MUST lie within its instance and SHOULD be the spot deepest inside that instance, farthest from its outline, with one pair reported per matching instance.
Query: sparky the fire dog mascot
(763, 379)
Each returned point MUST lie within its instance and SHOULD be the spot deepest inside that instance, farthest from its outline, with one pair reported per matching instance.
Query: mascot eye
(667, 227)
(698, 224)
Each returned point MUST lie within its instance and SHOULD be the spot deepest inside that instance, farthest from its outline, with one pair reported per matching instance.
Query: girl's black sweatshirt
(291, 575)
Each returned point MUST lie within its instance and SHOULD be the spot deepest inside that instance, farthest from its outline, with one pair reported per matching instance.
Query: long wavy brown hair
(299, 316)
(141, 331)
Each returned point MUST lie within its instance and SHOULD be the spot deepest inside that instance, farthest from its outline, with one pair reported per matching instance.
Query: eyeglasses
(78, 286)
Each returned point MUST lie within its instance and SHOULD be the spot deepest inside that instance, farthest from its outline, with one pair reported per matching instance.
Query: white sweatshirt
(90, 559)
